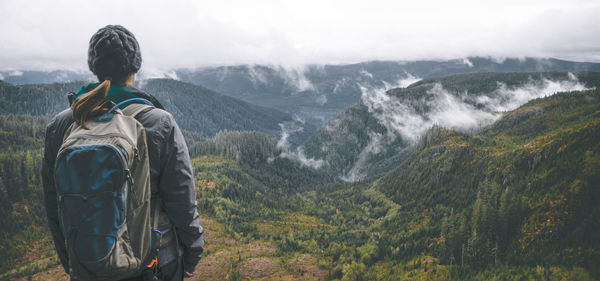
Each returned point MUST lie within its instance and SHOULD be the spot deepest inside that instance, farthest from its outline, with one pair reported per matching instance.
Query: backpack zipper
(128, 176)
(83, 136)
(124, 162)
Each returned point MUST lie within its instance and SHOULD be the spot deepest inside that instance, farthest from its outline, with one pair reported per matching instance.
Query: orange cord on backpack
(153, 262)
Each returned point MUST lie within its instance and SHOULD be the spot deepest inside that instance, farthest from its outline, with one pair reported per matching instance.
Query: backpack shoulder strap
(134, 109)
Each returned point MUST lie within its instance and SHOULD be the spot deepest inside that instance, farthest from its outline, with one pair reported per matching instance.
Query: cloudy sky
(40, 34)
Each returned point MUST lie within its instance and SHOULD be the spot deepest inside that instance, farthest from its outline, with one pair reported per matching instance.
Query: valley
(472, 176)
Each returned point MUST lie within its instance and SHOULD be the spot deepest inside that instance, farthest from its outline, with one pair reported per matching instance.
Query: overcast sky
(42, 34)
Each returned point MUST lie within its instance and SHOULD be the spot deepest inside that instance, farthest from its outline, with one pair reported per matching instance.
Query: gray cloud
(457, 110)
(41, 34)
(297, 154)
(448, 109)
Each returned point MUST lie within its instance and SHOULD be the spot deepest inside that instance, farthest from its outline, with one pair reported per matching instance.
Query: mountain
(35, 99)
(317, 93)
(380, 131)
(522, 191)
(196, 109)
(515, 201)
(207, 112)
(17, 77)
(512, 200)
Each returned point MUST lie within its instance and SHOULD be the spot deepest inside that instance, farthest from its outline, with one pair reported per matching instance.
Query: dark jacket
(171, 180)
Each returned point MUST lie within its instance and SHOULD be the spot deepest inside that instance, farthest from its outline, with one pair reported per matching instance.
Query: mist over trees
(512, 199)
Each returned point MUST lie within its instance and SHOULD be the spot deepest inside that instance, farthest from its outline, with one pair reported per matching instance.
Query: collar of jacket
(117, 94)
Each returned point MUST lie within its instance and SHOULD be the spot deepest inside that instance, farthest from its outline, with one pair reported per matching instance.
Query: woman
(114, 57)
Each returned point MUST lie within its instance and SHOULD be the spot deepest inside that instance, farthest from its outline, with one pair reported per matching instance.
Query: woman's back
(171, 176)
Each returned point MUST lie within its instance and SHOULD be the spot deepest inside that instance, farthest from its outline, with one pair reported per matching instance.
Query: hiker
(114, 57)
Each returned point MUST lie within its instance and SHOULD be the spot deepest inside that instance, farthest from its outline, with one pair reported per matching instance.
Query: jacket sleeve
(50, 200)
(178, 193)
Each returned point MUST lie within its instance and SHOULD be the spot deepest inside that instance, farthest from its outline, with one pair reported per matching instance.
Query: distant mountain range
(317, 93)
(472, 176)
(196, 109)
(379, 132)
(21, 77)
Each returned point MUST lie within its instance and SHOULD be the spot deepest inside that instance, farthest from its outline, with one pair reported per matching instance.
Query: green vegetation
(518, 200)
(512, 202)
(206, 112)
(211, 111)
(22, 215)
(346, 141)
(519, 195)
(318, 93)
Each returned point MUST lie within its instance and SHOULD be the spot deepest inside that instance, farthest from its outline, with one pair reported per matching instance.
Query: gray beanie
(114, 53)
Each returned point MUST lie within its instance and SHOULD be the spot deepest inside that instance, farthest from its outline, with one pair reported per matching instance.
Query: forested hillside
(380, 131)
(22, 214)
(36, 99)
(317, 93)
(512, 199)
(518, 200)
(520, 194)
(206, 112)
(523, 191)
(211, 111)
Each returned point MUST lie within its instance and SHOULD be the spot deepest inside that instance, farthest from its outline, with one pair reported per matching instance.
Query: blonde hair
(90, 104)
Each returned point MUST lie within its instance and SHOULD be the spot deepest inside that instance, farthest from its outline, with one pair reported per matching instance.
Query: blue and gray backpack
(102, 177)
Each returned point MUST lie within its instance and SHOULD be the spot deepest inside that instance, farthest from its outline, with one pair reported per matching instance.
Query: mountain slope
(378, 132)
(44, 77)
(518, 200)
(523, 191)
(35, 99)
(206, 112)
(195, 108)
(317, 93)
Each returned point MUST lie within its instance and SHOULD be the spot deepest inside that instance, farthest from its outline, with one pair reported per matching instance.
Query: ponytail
(90, 104)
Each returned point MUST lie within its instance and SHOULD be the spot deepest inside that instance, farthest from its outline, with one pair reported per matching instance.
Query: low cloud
(149, 73)
(357, 171)
(376, 140)
(366, 74)
(297, 154)
(408, 80)
(294, 76)
(456, 110)
(257, 75)
(16, 73)
(506, 99)
(460, 111)
(467, 62)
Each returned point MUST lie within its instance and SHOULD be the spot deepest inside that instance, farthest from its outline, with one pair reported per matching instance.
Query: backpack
(102, 177)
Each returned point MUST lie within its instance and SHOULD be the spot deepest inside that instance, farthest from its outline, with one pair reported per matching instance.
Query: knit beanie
(114, 53)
